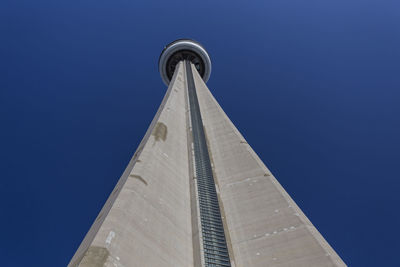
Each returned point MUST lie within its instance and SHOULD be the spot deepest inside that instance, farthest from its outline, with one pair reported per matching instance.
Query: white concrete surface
(265, 226)
(146, 220)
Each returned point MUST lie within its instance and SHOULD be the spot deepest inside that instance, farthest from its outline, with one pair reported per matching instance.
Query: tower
(195, 193)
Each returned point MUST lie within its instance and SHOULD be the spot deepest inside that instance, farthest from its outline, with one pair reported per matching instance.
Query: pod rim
(184, 46)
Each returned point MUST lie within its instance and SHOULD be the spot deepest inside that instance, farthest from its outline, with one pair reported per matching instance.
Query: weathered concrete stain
(138, 177)
(95, 257)
(160, 131)
(99, 216)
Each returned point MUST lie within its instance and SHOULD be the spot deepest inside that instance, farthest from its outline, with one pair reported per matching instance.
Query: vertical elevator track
(214, 242)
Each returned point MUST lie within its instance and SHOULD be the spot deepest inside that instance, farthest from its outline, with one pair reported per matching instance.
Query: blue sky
(312, 85)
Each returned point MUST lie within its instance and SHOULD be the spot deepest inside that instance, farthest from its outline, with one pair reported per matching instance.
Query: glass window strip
(216, 252)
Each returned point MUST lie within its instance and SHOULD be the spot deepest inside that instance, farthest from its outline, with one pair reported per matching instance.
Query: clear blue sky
(312, 85)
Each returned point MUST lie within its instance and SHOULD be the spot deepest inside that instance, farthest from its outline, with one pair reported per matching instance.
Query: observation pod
(184, 49)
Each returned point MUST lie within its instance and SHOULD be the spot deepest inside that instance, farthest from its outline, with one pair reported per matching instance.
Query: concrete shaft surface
(151, 217)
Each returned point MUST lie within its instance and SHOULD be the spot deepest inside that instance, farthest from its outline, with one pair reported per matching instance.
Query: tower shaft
(196, 194)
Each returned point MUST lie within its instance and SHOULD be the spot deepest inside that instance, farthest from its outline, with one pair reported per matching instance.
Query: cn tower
(195, 193)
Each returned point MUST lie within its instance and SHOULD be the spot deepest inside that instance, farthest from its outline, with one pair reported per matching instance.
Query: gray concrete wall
(146, 220)
(265, 226)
